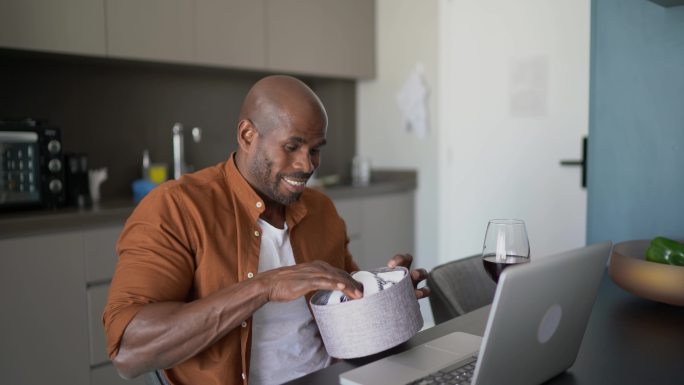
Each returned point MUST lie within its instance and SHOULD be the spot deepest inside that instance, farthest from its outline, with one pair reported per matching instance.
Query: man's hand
(291, 282)
(417, 275)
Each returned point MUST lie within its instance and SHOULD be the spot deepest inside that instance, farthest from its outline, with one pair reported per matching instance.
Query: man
(215, 269)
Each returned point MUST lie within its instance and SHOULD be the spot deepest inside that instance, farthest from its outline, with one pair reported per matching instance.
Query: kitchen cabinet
(331, 38)
(350, 211)
(99, 249)
(151, 29)
(310, 37)
(97, 300)
(224, 33)
(66, 26)
(43, 326)
(321, 37)
(54, 290)
(378, 226)
(230, 33)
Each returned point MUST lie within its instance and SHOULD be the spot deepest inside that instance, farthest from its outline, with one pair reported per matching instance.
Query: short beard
(261, 168)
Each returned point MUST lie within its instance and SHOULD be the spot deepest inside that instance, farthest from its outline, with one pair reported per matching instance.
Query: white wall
(407, 34)
(469, 50)
(514, 79)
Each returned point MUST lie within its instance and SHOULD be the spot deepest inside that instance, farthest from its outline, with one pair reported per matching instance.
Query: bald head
(277, 100)
(280, 134)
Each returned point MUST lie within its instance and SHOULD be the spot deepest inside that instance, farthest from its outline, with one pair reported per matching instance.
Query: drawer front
(100, 253)
(97, 299)
(350, 211)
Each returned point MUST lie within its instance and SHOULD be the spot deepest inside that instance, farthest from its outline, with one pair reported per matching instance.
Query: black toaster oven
(31, 165)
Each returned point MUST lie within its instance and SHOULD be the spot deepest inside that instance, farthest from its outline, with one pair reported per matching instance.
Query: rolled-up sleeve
(156, 262)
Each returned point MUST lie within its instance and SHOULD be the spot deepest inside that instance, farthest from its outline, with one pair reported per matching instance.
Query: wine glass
(505, 244)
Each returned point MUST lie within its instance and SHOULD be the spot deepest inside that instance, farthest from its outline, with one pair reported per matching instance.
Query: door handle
(581, 162)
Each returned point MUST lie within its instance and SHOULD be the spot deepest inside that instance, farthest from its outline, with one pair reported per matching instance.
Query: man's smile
(295, 184)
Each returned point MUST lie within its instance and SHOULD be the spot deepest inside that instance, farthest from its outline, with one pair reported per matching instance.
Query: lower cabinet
(378, 226)
(100, 258)
(43, 324)
(54, 290)
(102, 372)
(97, 299)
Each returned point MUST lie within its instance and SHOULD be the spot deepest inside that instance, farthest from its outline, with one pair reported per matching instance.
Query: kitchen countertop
(113, 212)
(382, 182)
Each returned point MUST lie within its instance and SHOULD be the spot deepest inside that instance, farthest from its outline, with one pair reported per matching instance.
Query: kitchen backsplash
(113, 110)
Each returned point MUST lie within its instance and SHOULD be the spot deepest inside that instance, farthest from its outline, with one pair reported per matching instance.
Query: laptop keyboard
(458, 374)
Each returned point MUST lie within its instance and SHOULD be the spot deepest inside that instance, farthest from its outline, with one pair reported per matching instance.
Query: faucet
(179, 166)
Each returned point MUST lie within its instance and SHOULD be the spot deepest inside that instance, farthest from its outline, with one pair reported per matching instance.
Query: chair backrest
(155, 378)
(458, 287)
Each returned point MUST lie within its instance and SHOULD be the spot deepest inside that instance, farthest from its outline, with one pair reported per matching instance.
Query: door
(513, 97)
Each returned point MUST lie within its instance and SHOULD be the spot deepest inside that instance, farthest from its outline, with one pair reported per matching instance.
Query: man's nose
(304, 162)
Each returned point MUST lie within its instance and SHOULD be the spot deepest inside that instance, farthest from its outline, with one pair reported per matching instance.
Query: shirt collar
(248, 198)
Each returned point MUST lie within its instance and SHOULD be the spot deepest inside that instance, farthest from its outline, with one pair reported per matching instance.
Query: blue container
(141, 187)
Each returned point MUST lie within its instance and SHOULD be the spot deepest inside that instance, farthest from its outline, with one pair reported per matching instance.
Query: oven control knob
(55, 186)
(55, 165)
(54, 147)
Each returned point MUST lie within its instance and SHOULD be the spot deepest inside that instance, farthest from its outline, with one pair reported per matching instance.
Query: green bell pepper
(667, 251)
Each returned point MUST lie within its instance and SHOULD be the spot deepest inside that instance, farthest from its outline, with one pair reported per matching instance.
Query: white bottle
(146, 165)
(361, 171)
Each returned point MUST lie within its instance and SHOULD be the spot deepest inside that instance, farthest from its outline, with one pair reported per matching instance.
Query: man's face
(285, 158)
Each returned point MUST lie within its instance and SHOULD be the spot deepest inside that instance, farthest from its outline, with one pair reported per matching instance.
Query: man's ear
(246, 134)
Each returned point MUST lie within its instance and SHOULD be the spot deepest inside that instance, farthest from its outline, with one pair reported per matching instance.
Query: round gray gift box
(370, 324)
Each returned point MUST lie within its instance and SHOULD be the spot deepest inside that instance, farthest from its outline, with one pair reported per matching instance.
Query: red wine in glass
(495, 266)
(505, 244)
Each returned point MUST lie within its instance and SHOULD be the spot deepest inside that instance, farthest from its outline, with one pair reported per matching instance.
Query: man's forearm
(164, 334)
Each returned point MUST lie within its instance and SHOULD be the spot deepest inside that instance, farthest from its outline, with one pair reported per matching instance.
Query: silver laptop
(534, 330)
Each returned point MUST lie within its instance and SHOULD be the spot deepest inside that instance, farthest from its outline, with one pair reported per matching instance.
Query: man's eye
(290, 148)
(314, 151)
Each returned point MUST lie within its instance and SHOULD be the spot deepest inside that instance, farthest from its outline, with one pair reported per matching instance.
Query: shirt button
(244, 376)
(256, 233)
(250, 275)
(244, 324)
(259, 204)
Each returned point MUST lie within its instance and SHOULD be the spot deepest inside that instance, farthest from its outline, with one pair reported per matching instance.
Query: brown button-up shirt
(192, 237)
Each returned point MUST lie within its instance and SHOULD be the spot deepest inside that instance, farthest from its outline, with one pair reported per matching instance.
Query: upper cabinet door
(321, 37)
(230, 33)
(66, 26)
(151, 29)
(329, 38)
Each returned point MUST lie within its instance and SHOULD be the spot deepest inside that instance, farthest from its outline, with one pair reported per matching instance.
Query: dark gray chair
(155, 378)
(458, 287)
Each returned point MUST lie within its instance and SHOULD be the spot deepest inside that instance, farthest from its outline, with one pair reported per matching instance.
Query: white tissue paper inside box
(372, 282)
(387, 315)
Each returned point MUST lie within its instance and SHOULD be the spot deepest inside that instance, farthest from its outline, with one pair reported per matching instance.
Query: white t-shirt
(286, 343)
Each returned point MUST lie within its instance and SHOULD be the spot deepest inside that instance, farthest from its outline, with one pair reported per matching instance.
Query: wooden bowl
(630, 270)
